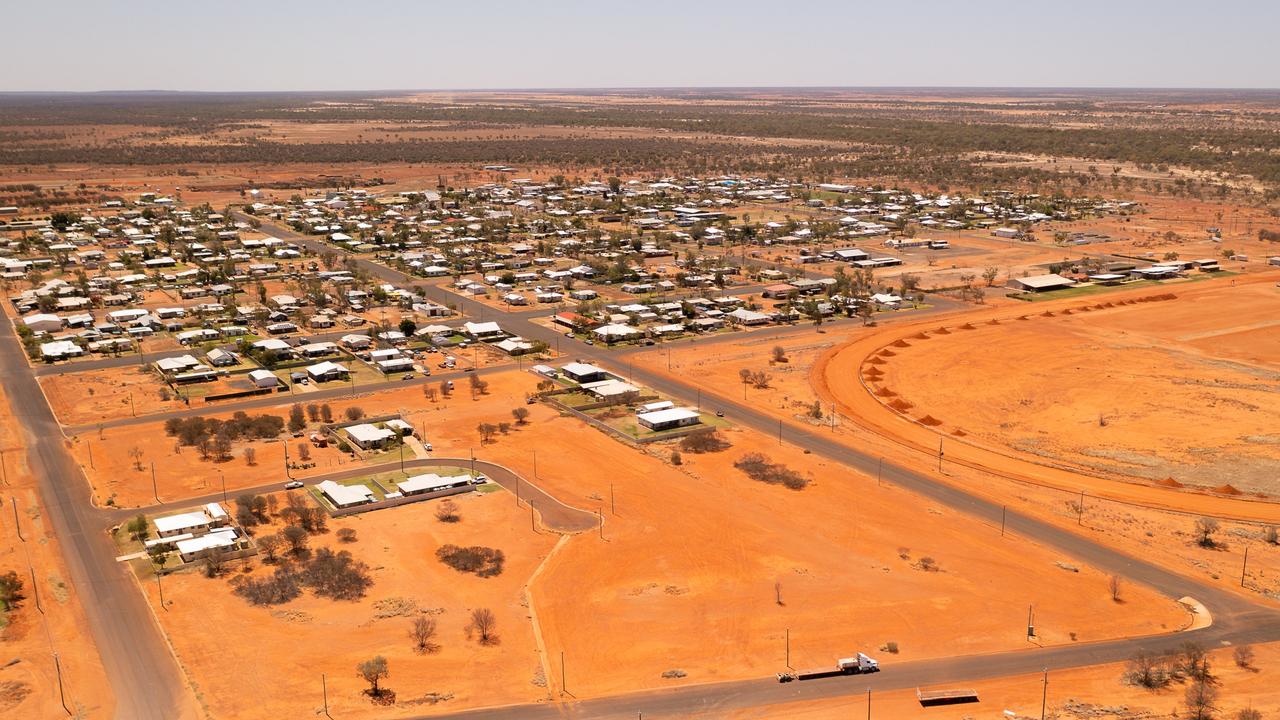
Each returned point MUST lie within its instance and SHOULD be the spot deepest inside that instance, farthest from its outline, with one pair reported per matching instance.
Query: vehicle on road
(407, 376)
(293, 485)
(855, 665)
(719, 413)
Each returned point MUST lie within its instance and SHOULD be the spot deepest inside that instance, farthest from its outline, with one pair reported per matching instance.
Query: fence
(395, 502)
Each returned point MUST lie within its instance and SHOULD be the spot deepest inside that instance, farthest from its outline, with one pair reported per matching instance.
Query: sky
(229, 45)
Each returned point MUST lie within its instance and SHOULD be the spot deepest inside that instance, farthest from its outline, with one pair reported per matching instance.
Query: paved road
(555, 514)
(143, 674)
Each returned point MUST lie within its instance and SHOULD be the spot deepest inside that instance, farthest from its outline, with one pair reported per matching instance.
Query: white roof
(181, 521)
(345, 494)
(428, 482)
(577, 368)
(611, 387)
(481, 328)
(364, 432)
(261, 374)
(324, 368)
(658, 417)
(1042, 281)
(615, 329)
(216, 539)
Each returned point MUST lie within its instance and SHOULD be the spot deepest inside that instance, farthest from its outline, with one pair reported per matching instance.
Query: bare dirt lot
(1182, 388)
(290, 646)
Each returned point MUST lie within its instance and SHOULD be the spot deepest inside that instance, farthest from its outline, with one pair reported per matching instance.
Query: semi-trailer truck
(855, 665)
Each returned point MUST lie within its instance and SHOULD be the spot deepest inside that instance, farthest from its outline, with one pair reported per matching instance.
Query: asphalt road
(143, 674)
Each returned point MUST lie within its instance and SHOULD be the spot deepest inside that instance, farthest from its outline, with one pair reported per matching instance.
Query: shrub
(704, 441)
(336, 575)
(280, 588)
(478, 560)
(758, 467)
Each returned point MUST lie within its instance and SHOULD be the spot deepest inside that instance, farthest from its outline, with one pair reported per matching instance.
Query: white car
(293, 485)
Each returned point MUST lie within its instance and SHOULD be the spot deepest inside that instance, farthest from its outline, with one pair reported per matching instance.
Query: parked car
(293, 485)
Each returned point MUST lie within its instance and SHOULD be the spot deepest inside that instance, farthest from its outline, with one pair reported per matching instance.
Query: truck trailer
(855, 665)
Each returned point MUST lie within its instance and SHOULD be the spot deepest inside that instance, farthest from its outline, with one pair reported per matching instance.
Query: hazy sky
(384, 44)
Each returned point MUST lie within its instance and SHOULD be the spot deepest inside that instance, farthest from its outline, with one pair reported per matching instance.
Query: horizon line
(635, 88)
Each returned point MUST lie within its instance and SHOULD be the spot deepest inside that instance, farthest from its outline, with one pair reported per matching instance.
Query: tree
(487, 431)
(1146, 669)
(297, 418)
(304, 451)
(484, 626)
(250, 456)
(779, 354)
(446, 389)
(1243, 656)
(137, 527)
(135, 452)
(313, 412)
(326, 413)
(214, 562)
(10, 591)
(430, 393)
(447, 511)
(346, 535)
(989, 274)
(1201, 699)
(1114, 585)
(408, 326)
(521, 415)
(675, 458)
(354, 413)
(296, 537)
(424, 632)
(1205, 528)
(269, 545)
(1249, 714)
(373, 670)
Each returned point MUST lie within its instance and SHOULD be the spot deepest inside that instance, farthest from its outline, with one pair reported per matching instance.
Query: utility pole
(879, 471)
(35, 589)
(613, 506)
(779, 431)
(62, 693)
(1080, 510)
(1044, 693)
(1245, 565)
(17, 525)
(564, 687)
(535, 464)
(517, 491)
(789, 649)
(324, 688)
(5, 469)
(155, 492)
(940, 455)
(868, 703)
(224, 484)
(160, 586)
(600, 518)
(286, 460)
(1003, 510)
(88, 444)
(132, 408)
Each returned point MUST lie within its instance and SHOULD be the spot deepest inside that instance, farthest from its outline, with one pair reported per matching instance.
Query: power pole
(868, 703)
(155, 492)
(324, 688)
(17, 525)
(613, 506)
(940, 455)
(564, 687)
(789, 649)
(35, 589)
(160, 586)
(879, 471)
(1003, 510)
(62, 693)
(1044, 694)
(1080, 510)
(1245, 565)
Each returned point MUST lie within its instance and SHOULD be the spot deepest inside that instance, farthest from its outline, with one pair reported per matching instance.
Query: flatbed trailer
(946, 697)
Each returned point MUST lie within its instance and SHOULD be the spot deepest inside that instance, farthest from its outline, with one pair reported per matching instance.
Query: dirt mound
(1169, 482)
(930, 420)
(993, 321)
(901, 405)
(1046, 313)
(1227, 490)
(1068, 311)
(901, 343)
(887, 353)
(920, 336)
(875, 361)
(1022, 317)
(886, 392)
(942, 331)
(959, 433)
(967, 326)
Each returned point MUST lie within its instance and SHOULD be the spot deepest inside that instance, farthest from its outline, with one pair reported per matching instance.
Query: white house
(367, 436)
(343, 496)
(668, 419)
(263, 378)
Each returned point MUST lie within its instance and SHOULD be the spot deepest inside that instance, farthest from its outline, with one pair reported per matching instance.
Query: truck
(855, 665)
